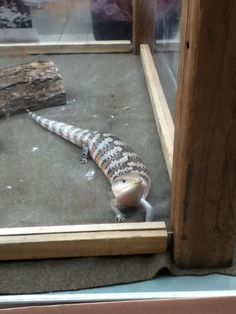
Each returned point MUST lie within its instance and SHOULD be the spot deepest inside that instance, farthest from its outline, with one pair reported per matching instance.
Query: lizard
(129, 178)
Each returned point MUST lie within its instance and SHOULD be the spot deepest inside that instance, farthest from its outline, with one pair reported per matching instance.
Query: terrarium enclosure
(57, 207)
(43, 184)
(117, 64)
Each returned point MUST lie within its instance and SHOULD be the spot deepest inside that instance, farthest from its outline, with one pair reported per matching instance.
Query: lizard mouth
(125, 185)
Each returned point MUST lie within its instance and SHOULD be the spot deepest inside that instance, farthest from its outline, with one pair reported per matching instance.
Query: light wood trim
(83, 244)
(139, 226)
(66, 47)
(164, 122)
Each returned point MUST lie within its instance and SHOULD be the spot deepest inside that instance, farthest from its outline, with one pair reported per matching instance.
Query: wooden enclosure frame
(203, 224)
(203, 187)
(204, 161)
(164, 121)
(82, 240)
(118, 46)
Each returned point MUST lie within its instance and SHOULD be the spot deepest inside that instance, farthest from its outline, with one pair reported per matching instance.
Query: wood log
(31, 86)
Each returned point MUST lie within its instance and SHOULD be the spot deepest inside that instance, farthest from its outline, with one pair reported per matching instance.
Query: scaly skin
(124, 169)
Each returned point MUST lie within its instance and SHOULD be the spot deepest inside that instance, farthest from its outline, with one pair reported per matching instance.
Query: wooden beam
(164, 122)
(74, 241)
(66, 47)
(204, 170)
(143, 23)
(129, 226)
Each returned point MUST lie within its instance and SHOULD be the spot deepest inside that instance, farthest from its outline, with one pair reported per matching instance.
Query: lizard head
(128, 190)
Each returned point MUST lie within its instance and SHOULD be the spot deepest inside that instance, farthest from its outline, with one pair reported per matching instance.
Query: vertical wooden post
(204, 168)
(143, 23)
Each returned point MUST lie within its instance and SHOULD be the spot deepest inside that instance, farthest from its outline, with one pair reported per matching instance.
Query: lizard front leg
(116, 209)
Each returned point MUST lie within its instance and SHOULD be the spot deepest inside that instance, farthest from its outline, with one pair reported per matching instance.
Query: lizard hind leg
(150, 212)
(120, 217)
(84, 154)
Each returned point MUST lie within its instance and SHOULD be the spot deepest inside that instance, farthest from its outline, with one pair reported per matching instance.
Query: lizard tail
(66, 131)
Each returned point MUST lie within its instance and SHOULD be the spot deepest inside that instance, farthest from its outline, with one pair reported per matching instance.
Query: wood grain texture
(32, 85)
(128, 226)
(204, 168)
(143, 23)
(121, 46)
(60, 245)
(164, 122)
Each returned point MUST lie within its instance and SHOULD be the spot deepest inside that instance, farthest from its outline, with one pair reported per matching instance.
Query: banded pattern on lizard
(124, 169)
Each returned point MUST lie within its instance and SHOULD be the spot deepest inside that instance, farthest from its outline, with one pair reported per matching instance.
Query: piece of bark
(31, 86)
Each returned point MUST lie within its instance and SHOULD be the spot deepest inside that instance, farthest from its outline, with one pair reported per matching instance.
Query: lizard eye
(123, 180)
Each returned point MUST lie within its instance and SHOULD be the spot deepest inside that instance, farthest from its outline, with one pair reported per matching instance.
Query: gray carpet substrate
(80, 273)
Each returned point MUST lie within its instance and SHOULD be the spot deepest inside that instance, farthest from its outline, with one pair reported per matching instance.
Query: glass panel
(65, 20)
(167, 46)
(42, 181)
(112, 19)
(167, 20)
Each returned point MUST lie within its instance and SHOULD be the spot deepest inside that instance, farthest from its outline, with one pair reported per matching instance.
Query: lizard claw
(83, 161)
(120, 217)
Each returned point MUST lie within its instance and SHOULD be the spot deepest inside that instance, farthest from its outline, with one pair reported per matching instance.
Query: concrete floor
(42, 181)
